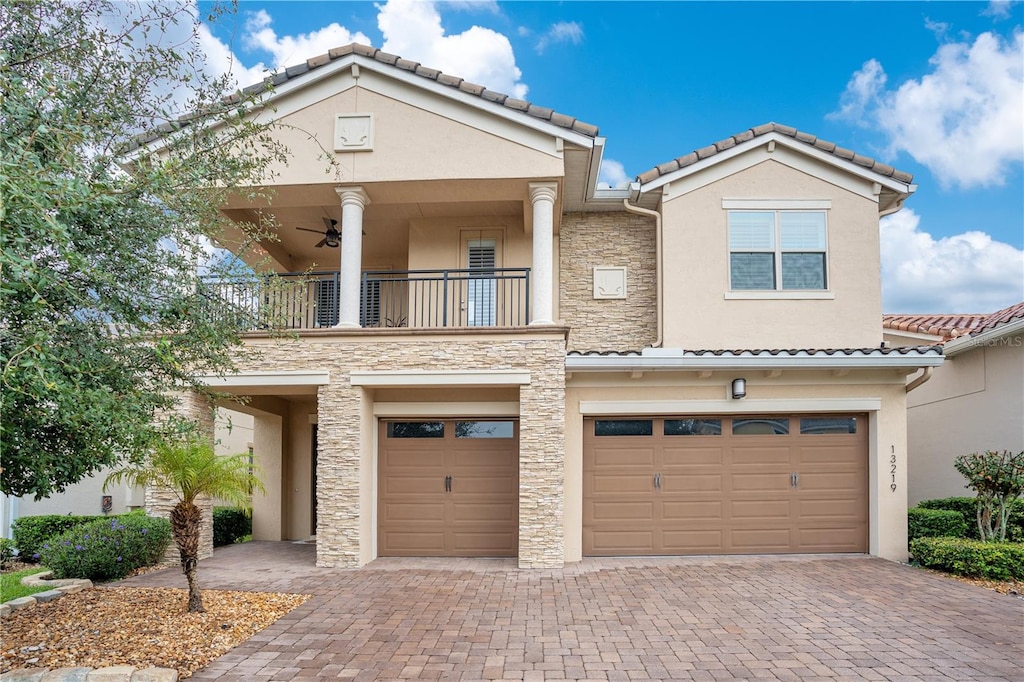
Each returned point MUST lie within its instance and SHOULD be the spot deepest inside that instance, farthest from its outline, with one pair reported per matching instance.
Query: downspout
(658, 265)
(926, 374)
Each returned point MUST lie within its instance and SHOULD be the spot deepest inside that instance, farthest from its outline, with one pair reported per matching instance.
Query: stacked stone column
(160, 500)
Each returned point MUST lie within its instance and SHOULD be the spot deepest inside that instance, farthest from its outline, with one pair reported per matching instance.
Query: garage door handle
(447, 484)
(657, 481)
(794, 480)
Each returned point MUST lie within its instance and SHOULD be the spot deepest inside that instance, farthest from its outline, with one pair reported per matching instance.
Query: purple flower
(86, 536)
(36, 556)
(79, 548)
(118, 558)
(46, 546)
(67, 543)
(144, 531)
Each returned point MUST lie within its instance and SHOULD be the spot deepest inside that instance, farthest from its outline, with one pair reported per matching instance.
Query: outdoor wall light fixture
(739, 388)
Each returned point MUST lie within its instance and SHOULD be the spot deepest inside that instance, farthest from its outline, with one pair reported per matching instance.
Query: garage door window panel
(485, 429)
(624, 427)
(692, 427)
(415, 429)
(828, 425)
(760, 426)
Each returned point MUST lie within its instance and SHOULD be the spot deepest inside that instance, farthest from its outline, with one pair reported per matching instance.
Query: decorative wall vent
(353, 132)
(609, 282)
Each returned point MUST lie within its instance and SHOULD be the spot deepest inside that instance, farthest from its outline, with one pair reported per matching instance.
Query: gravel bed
(141, 627)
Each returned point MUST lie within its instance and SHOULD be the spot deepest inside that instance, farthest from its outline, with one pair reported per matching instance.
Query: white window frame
(776, 209)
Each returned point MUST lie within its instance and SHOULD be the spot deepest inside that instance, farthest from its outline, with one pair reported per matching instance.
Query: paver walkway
(785, 618)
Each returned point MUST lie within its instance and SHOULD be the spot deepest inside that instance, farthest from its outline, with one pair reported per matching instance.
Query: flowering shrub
(107, 549)
(31, 532)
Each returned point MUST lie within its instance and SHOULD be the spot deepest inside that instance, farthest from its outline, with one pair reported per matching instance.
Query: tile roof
(779, 352)
(951, 326)
(945, 326)
(499, 99)
(1000, 317)
(757, 131)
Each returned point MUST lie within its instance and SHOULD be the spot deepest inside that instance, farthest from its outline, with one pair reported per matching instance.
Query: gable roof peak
(497, 98)
(780, 129)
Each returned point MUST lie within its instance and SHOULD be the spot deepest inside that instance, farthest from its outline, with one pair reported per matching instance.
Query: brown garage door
(448, 488)
(725, 485)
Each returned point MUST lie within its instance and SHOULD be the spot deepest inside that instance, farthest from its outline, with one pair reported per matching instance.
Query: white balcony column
(353, 201)
(542, 195)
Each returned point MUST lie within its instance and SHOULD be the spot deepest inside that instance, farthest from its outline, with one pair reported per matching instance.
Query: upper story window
(777, 250)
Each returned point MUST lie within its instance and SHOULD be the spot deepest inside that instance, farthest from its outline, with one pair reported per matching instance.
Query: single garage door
(725, 485)
(448, 488)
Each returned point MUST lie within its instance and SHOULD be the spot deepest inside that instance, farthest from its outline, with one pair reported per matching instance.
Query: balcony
(498, 297)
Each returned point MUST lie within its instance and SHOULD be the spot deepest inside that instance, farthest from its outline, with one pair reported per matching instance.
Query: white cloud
(220, 60)
(964, 273)
(561, 32)
(412, 29)
(489, 6)
(612, 175)
(863, 88)
(1000, 9)
(289, 50)
(963, 120)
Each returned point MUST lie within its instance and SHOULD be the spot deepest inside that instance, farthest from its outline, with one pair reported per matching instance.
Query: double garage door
(448, 488)
(725, 485)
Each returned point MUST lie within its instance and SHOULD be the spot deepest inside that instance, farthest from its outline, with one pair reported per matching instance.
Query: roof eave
(971, 341)
(584, 363)
(900, 188)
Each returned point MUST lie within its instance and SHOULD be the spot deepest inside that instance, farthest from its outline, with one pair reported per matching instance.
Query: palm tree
(188, 465)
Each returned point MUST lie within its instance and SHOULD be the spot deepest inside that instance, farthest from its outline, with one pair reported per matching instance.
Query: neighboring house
(87, 497)
(974, 402)
(496, 357)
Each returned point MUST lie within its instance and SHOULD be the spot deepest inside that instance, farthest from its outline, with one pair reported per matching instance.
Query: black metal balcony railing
(497, 297)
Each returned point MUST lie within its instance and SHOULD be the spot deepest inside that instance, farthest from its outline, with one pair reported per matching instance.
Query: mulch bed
(141, 627)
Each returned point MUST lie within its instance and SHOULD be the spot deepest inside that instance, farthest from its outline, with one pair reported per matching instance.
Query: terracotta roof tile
(1000, 317)
(764, 129)
(945, 326)
(792, 352)
(497, 98)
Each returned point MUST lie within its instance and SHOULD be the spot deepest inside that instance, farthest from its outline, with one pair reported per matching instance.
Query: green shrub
(6, 551)
(107, 549)
(968, 508)
(31, 532)
(935, 523)
(994, 560)
(230, 525)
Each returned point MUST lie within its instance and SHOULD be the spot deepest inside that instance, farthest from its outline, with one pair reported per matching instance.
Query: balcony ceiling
(385, 222)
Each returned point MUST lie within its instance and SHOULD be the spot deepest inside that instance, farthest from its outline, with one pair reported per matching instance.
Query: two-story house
(496, 357)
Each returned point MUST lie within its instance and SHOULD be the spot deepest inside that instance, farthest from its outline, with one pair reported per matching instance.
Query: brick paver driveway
(787, 618)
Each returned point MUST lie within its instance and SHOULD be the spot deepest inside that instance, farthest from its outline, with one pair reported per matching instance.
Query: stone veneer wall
(160, 501)
(608, 239)
(340, 407)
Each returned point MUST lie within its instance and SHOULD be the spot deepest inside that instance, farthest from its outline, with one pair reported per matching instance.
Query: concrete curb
(41, 579)
(117, 673)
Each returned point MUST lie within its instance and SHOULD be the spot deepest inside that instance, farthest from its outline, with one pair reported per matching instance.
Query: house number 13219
(892, 469)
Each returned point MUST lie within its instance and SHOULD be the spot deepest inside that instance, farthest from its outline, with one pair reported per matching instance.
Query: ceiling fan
(332, 236)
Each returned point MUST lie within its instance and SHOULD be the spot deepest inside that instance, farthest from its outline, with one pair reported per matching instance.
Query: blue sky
(933, 88)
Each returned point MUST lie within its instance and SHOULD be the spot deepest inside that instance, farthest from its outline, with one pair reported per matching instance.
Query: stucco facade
(973, 403)
(472, 269)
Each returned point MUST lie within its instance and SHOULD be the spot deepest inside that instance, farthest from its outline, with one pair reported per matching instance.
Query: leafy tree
(187, 464)
(998, 478)
(101, 309)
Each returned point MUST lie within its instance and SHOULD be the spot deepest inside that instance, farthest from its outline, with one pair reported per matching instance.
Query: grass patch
(11, 587)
